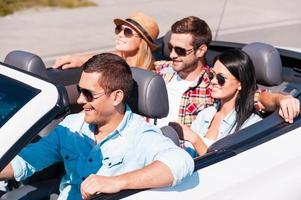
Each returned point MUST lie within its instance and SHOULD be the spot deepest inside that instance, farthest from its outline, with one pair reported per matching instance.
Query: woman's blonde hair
(144, 57)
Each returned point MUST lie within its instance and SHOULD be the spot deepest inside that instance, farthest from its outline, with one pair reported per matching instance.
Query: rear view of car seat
(268, 68)
(150, 99)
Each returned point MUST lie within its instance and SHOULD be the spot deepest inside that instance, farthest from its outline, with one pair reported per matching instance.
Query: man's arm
(71, 61)
(7, 173)
(289, 107)
(157, 174)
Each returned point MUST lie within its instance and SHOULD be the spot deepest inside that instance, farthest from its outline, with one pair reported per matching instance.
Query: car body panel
(248, 175)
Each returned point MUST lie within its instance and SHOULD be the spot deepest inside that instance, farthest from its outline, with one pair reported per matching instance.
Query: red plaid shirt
(195, 98)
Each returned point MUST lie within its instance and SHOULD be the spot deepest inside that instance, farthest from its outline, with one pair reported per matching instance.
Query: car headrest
(149, 97)
(166, 39)
(27, 61)
(267, 63)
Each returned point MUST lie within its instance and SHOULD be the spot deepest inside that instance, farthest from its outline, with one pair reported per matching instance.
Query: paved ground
(54, 32)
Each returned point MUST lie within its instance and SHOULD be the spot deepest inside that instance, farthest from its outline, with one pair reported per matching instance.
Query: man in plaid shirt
(187, 79)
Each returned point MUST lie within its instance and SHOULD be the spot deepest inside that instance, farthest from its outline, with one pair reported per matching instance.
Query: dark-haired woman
(233, 84)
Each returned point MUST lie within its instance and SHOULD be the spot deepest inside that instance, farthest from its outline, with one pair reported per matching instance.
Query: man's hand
(70, 61)
(95, 184)
(289, 108)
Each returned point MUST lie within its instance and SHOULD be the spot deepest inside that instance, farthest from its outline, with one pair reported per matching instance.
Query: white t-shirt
(175, 89)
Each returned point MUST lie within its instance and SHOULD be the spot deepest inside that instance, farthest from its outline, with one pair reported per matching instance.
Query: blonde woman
(134, 41)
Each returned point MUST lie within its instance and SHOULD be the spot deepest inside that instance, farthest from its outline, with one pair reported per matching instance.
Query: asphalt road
(51, 32)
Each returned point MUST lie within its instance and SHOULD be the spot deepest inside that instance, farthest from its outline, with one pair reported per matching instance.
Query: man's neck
(103, 130)
(192, 75)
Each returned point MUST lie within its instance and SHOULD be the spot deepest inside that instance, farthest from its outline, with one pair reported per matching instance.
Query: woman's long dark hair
(241, 67)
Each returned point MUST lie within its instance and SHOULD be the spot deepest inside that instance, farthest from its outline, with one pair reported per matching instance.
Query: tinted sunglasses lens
(220, 79)
(180, 51)
(87, 94)
(118, 29)
(128, 32)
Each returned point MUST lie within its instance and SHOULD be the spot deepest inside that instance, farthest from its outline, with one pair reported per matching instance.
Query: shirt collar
(211, 111)
(126, 118)
(230, 118)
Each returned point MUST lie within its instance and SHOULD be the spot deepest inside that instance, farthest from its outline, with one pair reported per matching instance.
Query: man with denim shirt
(187, 79)
(106, 148)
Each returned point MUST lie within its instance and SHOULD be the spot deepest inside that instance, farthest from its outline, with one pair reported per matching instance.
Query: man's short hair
(115, 73)
(195, 26)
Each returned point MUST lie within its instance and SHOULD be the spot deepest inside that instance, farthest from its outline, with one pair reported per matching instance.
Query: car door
(27, 104)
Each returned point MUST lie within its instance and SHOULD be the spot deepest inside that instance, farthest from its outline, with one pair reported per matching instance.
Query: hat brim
(123, 22)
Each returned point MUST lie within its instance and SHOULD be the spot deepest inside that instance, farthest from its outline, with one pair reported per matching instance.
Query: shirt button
(66, 157)
(90, 159)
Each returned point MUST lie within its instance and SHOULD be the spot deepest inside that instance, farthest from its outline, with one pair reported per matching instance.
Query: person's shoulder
(210, 110)
(141, 125)
(255, 117)
(163, 67)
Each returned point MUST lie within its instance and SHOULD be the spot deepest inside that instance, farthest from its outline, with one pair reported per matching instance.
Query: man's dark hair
(198, 28)
(115, 73)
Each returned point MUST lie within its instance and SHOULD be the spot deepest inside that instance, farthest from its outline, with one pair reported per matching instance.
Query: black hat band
(141, 29)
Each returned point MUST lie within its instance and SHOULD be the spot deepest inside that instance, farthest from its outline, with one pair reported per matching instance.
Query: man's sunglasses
(88, 94)
(219, 77)
(127, 32)
(179, 50)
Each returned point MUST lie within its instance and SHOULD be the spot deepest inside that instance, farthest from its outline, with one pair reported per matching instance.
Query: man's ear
(118, 97)
(201, 51)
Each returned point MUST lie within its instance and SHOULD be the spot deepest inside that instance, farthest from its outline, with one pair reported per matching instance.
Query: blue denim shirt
(133, 145)
(202, 122)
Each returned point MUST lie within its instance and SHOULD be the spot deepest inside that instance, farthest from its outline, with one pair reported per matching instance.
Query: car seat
(150, 99)
(268, 68)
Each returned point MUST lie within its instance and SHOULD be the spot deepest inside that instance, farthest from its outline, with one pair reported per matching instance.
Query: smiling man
(106, 148)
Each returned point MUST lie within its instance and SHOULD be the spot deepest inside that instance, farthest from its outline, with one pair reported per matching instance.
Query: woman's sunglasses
(88, 94)
(127, 32)
(219, 77)
(179, 50)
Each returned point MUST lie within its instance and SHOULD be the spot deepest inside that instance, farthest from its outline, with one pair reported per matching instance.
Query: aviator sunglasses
(219, 77)
(127, 32)
(88, 94)
(179, 50)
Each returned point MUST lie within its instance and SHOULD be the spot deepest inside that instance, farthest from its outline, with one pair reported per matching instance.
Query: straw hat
(145, 25)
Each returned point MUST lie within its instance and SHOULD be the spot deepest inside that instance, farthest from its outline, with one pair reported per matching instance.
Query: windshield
(13, 96)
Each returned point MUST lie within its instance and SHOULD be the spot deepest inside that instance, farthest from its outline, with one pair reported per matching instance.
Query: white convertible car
(259, 162)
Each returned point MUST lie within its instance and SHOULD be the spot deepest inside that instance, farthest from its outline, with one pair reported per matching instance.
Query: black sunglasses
(179, 50)
(127, 32)
(88, 94)
(219, 77)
